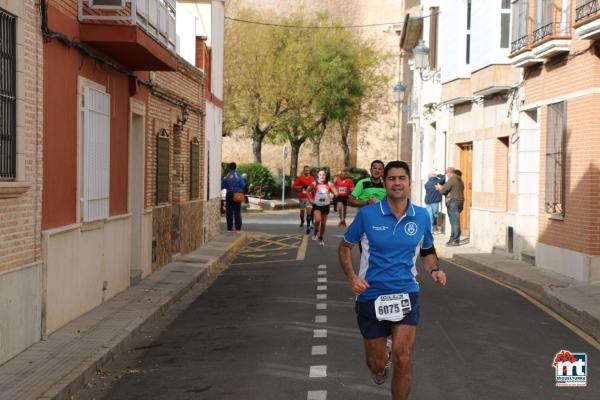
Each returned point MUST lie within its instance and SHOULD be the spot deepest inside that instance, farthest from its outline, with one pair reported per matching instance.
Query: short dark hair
(232, 166)
(396, 164)
(377, 162)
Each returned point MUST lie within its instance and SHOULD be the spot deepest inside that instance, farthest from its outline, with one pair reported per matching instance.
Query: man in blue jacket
(433, 198)
(233, 182)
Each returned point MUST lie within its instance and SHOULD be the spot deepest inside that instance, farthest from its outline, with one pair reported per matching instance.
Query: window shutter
(162, 167)
(555, 158)
(433, 34)
(96, 154)
(194, 169)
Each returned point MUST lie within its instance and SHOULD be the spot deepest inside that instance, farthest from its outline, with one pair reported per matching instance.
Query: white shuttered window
(96, 154)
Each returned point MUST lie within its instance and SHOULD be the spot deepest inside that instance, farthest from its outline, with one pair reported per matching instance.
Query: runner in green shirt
(369, 190)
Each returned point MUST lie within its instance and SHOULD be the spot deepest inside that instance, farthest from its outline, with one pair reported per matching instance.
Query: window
(468, 43)
(8, 100)
(505, 25)
(520, 15)
(162, 166)
(505, 4)
(433, 32)
(194, 169)
(96, 154)
(556, 129)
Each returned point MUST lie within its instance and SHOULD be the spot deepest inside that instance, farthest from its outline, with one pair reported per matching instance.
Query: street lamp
(421, 55)
(399, 91)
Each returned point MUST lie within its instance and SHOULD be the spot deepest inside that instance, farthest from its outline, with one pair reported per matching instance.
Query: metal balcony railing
(586, 8)
(156, 17)
(520, 43)
(551, 29)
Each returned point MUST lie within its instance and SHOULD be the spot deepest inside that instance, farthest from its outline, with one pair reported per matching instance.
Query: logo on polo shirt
(380, 228)
(410, 229)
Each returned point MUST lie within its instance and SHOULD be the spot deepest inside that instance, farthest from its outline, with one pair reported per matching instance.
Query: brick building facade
(21, 118)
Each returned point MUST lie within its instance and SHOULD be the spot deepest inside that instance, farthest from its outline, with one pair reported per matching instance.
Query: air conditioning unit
(107, 4)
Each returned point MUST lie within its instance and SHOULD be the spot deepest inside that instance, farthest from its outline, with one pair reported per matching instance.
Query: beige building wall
(20, 199)
(374, 139)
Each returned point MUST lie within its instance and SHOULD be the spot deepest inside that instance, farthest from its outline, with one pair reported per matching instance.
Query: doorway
(466, 167)
(136, 189)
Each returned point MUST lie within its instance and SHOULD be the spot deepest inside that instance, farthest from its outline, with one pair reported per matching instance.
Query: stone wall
(161, 236)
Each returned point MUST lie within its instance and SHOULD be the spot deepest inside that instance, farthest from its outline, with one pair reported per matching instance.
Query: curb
(580, 318)
(77, 378)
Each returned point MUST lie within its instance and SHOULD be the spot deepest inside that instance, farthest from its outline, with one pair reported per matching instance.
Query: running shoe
(321, 242)
(301, 224)
(380, 377)
(308, 230)
(315, 236)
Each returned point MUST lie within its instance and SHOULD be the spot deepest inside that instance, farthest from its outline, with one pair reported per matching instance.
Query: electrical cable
(325, 27)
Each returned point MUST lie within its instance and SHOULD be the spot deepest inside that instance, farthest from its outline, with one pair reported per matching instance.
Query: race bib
(392, 307)
(322, 197)
(343, 189)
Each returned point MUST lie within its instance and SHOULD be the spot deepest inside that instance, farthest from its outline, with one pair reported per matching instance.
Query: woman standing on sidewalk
(323, 193)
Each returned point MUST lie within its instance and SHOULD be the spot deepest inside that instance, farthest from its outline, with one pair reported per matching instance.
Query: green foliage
(357, 174)
(259, 180)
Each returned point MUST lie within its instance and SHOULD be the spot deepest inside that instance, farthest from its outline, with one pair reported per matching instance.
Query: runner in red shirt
(343, 187)
(300, 186)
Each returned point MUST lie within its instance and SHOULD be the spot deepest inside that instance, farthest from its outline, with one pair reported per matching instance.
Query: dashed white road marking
(321, 319)
(318, 371)
(322, 280)
(321, 306)
(320, 333)
(322, 266)
(321, 272)
(317, 395)
(319, 350)
(324, 287)
(321, 296)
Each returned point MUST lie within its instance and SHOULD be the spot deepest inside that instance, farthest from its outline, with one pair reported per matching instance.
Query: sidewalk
(59, 366)
(576, 302)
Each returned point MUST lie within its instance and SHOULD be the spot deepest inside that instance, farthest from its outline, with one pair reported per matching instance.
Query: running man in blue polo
(392, 233)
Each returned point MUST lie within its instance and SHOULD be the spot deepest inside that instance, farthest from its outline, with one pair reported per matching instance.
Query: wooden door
(466, 167)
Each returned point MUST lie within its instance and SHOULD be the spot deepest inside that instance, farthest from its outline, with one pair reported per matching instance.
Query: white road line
(322, 280)
(320, 333)
(319, 350)
(321, 296)
(321, 306)
(318, 371)
(321, 319)
(322, 287)
(321, 272)
(322, 266)
(317, 395)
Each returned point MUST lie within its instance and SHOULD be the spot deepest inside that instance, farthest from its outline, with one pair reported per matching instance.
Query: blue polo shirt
(390, 247)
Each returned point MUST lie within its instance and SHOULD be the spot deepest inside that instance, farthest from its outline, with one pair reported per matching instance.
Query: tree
(252, 85)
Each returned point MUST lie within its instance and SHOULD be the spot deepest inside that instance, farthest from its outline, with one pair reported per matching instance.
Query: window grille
(8, 98)
(162, 167)
(194, 169)
(556, 129)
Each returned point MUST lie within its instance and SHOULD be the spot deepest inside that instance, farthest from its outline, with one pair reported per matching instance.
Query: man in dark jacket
(454, 190)
(433, 198)
(234, 182)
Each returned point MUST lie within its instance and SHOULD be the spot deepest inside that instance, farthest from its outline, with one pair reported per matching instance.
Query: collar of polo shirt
(386, 210)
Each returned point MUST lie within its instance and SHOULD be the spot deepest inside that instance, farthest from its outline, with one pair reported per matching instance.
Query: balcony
(520, 53)
(587, 19)
(140, 34)
(552, 33)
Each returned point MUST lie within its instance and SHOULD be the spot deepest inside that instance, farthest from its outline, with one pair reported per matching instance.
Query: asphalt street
(279, 324)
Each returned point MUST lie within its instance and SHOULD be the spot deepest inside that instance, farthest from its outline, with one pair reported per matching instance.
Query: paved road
(271, 321)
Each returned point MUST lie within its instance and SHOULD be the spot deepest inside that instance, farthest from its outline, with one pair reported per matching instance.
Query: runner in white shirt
(323, 194)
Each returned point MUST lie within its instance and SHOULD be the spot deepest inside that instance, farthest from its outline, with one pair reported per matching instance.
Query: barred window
(556, 132)
(8, 101)
(162, 167)
(194, 169)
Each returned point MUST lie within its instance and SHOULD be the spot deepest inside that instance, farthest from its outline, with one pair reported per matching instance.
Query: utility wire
(325, 27)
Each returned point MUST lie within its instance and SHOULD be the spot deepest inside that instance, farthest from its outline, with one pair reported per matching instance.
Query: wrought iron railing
(550, 29)
(8, 114)
(520, 43)
(157, 17)
(586, 8)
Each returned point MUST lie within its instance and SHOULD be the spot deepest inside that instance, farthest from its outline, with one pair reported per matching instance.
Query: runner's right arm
(352, 236)
(353, 198)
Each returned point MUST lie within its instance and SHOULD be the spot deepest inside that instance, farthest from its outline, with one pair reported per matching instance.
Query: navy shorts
(371, 328)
